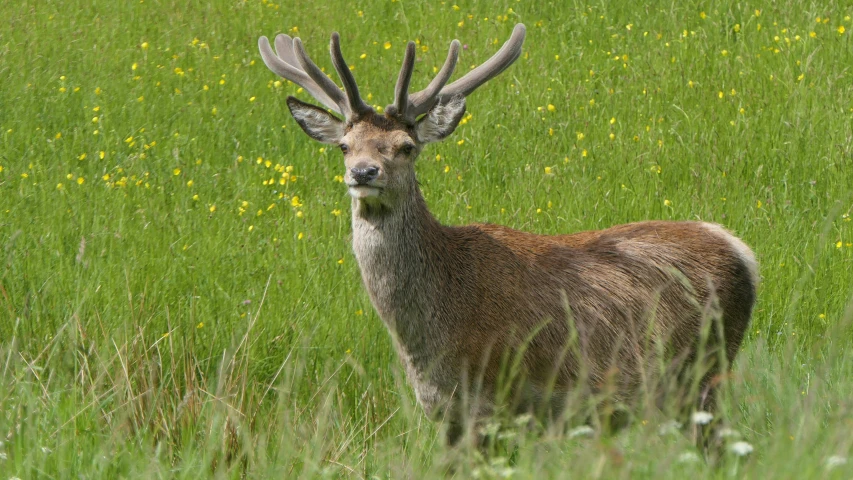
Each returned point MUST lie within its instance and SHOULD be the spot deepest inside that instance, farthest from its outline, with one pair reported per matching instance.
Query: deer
(591, 311)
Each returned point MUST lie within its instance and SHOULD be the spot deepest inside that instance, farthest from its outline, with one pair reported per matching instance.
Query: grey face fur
(379, 151)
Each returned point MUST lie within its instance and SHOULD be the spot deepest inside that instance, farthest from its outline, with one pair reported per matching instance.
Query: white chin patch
(361, 192)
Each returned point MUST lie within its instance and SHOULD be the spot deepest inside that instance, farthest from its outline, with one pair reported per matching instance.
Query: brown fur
(457, 298)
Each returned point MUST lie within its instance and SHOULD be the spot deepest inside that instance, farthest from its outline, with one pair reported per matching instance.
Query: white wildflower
(500, 468)
(669, 428)
(835, 461)
(490, 429)
(688, 457)
(505, 472)
(727, 432)
(3, 456)
(741, 448)
(582, 431)
(46, 450)
(701, 418)
(524, 420)
(497, 468)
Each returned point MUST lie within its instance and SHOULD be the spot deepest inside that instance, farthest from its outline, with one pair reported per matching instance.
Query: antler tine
(284, 49)
(356, 104)
(509, 52)
(284, 64)
(320, 78)
(421, 102)
(401, 91)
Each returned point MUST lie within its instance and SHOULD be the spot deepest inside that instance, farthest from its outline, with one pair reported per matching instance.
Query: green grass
(145, 333)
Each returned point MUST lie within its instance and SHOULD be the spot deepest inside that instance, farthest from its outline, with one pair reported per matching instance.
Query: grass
(172, 308)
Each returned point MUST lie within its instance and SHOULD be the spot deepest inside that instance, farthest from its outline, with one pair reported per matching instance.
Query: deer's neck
(401, 254)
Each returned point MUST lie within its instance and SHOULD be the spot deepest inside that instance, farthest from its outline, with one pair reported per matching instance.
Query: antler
(292, 62)
(401, 91)
(410, 107)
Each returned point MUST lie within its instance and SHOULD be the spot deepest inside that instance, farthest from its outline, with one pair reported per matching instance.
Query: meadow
(178, 295)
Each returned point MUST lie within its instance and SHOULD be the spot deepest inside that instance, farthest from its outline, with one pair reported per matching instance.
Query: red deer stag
(456, 299)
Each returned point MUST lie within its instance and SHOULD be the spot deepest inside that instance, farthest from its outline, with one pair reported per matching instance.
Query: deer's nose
(364, 174)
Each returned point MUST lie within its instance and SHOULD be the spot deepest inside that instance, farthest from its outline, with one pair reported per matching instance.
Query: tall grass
(178, 294)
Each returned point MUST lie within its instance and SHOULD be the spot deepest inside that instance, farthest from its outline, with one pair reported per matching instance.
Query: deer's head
(380, 150)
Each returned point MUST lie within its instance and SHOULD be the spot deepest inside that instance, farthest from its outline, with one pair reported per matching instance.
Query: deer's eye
(407, 149)
(344, 148)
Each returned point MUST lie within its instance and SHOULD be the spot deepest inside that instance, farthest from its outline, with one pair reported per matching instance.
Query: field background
(178, 296)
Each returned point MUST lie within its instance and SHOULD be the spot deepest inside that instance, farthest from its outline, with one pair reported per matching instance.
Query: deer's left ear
(441, 120)
(316, 122)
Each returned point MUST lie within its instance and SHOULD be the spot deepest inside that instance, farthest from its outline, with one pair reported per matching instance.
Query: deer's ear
(441, 120)
(316, 122)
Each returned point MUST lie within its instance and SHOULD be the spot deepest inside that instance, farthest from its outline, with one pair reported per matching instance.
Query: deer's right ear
(441, 120)
(316, 122)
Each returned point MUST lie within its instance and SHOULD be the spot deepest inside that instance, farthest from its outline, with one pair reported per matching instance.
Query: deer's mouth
(362, 191)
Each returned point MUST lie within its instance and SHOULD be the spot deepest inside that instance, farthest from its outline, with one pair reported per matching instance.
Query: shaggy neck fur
(402, 253)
